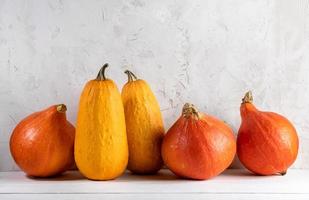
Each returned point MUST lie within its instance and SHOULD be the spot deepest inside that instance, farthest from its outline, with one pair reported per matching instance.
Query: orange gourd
(101, 148)
(42, 143)
(267, 142)
(144, 125)
(198, 146)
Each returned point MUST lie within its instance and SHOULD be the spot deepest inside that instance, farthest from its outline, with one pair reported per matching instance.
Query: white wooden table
(232, 184)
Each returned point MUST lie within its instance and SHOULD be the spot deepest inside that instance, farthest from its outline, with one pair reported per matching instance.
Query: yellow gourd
(101, 148)
(144, 124)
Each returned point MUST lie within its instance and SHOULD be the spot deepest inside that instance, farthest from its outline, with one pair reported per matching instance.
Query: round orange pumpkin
(198, 146)
(267, 142)
(42, 144)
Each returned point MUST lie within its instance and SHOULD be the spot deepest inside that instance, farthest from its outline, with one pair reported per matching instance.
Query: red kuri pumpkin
(42, 143)
(198, 146)
(267, 142)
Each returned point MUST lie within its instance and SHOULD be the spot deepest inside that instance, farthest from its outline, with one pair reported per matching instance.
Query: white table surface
(232, 184)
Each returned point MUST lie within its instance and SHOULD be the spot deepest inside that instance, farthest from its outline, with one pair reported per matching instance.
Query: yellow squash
(101, 148)
(144, 124)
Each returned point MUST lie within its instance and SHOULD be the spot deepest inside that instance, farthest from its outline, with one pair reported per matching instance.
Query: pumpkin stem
(248, 97)
(189, 109)
(61, 108)
(283, 173)
(131, 76)
(101, 74)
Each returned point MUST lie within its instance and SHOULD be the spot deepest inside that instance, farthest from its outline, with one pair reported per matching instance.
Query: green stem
(131, 76)
(101, 74)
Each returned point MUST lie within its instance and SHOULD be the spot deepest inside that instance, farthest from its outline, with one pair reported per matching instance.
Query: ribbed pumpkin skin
(42, 143)
(198, 148)
(101, 149)
(267, 142)
(144, 125)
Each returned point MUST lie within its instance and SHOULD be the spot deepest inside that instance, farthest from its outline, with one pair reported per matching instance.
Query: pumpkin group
(144, 125)
(118, 131)
(198, 146)
(267, 142)
(101, 148)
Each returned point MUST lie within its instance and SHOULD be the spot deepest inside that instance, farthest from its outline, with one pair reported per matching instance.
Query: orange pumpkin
(144, 125)
(101, 147)
(42, 144)
(267, 142)
(198, 146)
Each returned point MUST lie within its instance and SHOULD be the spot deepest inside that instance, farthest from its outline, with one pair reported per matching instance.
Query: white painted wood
(235, 184)
(192, 196)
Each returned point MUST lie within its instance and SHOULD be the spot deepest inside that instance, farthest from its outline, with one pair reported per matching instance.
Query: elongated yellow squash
(101, 148)
(144, 125)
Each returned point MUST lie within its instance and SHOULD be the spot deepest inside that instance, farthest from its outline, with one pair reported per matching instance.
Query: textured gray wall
(207, 52)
